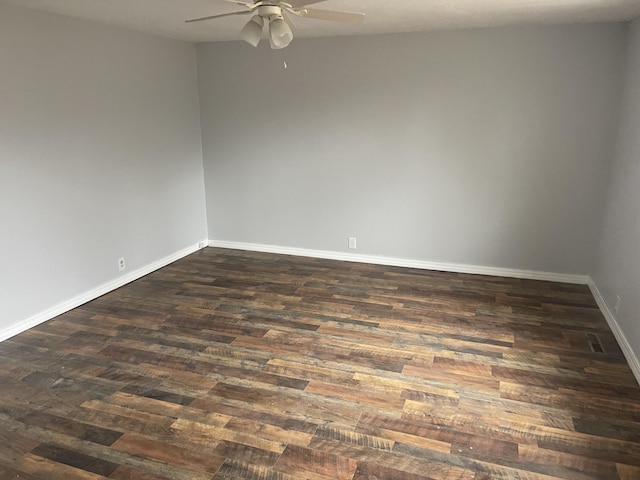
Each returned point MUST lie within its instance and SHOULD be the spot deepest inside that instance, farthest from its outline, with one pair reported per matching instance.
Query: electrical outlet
(617, 307)
(121, 265)
(352, 243)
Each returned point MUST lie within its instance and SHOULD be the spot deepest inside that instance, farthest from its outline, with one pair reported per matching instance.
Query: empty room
(324, 240)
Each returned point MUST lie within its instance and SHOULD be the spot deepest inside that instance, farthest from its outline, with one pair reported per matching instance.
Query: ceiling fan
(272, 12)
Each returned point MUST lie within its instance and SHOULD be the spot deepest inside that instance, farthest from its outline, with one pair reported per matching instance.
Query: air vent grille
(594, 343)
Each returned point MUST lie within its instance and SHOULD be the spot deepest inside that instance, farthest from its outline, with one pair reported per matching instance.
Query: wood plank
(211, 434)
(315, 465)
(136, 444)
(42, 467)
(369, 471)
(74, 459)
(127, 473)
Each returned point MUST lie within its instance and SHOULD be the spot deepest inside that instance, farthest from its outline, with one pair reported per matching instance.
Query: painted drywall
(617, 270)
(481, 147)
(100, 157)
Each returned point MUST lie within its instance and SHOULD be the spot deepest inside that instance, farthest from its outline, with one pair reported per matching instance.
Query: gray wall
(485, 147)
(618, 267)
(100, 156)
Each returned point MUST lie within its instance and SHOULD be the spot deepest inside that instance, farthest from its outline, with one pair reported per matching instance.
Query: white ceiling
(166, 17)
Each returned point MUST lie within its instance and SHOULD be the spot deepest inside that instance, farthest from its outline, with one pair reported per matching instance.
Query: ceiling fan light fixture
(271, 11)
(274, 46)
(252, 31)
(280, 35)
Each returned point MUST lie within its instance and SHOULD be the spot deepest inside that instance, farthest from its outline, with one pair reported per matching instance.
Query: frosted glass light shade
(280, 35)
(252, 31)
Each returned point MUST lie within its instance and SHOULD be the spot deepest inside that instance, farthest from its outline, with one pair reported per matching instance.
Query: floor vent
(594, 343)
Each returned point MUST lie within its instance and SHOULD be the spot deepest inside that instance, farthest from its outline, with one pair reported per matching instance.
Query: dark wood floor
(238, 365)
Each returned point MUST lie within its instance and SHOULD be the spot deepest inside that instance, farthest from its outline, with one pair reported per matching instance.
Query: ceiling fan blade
(250, 6)
(301, 3)
(245, 12)
(331, 15)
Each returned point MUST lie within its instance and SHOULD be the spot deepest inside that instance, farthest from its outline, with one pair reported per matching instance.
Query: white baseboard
(629, 354)
(94, 293)
(403, 262)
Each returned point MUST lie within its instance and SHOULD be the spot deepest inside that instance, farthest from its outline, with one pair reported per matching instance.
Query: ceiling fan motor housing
(268, 11)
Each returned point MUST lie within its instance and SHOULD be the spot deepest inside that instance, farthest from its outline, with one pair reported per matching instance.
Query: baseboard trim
(629, 354)
(94, 293)
(403, 262)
